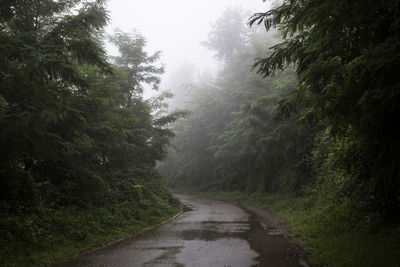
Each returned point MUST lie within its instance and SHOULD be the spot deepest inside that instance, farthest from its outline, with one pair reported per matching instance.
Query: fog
(176, 27)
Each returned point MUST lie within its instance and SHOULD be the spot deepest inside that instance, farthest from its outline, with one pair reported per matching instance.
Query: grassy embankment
(330, 242)
(54, 235)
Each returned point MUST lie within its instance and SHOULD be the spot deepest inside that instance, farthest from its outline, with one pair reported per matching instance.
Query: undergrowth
(51, 235)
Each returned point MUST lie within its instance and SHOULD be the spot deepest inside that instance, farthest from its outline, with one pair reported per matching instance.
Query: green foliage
(346, 57)
(75, 132)
(52, 234)
(135, 64)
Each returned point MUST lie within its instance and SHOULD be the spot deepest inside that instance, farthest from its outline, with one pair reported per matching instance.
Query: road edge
(132, 235)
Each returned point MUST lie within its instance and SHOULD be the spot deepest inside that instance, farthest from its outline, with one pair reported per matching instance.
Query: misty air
(200, 133)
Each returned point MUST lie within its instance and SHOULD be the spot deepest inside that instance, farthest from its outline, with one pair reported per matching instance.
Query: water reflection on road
(211, 233)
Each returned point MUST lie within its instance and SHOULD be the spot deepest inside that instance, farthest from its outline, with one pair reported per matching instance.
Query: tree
(74, 127)
(42, 45)
(347, 60)
(136, 64)
(228, 36)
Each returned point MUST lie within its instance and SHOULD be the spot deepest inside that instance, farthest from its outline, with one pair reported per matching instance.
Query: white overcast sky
(176, 27)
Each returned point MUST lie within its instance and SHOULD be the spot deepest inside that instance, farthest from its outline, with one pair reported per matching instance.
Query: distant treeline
(75, 130)
(318, 115)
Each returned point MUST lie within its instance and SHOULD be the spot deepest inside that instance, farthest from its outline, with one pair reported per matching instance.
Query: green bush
(52, 234)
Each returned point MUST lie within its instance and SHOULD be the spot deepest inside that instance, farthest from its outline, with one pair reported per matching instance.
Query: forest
(302, 118)
(78, 141)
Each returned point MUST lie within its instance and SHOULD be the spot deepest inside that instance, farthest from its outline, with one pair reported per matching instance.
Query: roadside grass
(52, 236)
(330, 243)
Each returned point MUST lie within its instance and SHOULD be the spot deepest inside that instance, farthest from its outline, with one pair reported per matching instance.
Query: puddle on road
(168, 258)
(210, 233)
(274, 250)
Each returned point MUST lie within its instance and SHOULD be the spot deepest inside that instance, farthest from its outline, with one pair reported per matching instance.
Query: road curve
(210, 233)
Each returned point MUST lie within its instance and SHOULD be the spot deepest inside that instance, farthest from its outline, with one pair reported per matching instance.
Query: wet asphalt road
(210, 233)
